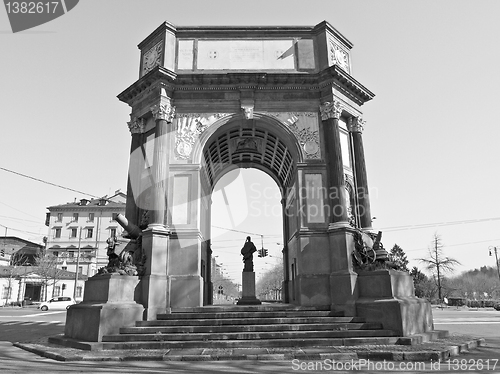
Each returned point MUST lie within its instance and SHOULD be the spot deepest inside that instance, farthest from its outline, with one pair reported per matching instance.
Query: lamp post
(496, 258)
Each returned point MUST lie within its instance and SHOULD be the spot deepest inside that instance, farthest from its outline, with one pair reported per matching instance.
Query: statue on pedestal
(247, 252)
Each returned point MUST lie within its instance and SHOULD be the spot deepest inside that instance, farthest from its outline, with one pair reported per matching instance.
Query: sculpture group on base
(125, 255)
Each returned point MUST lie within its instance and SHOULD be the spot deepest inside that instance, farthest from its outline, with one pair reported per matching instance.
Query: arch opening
(246, 202)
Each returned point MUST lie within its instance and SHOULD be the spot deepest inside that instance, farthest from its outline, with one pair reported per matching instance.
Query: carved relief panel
(189, 128)
(338, 56)
(304, 125)
(152, 57)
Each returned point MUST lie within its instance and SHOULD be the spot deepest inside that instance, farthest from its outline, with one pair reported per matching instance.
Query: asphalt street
(24, 325)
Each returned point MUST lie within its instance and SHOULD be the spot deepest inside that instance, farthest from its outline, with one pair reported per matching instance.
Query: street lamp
(496, 257)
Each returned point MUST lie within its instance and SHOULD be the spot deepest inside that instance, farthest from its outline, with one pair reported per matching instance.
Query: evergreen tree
(398, 257)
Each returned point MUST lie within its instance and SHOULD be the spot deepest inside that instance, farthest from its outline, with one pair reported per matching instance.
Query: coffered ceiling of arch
(304, 126)
(249, 145)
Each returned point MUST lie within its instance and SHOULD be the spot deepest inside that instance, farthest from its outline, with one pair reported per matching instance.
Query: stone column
(363, 199)
(343, 292)
(163, 113)
(136, 127)
(330, 114)
(155, 287)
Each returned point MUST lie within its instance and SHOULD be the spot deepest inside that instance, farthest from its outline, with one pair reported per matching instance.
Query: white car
(57, 303)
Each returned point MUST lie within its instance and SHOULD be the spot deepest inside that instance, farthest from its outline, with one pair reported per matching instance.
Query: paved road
(14, 360)
(28, 324)
(482, 323)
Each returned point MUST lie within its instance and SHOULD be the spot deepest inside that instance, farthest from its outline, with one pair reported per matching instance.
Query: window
(91, 217)
(113, 232)
(80, 269)
(90, 232)
(78, 291)
(55, 253)
(75, 217)
(73, 233)
(57, 290)
(113, 216)
(57, 233)
(71, 254)
(64, 267)
(59, 217)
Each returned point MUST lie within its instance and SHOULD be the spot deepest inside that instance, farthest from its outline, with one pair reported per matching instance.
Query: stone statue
(247, 252)
(125, 254)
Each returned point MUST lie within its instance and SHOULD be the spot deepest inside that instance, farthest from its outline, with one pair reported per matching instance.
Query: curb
(351, 353)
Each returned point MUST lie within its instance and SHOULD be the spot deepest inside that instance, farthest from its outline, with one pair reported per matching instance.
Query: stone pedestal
(343, 291)
(108, 304)
(248, 289)
(388, 297)
(154, 283)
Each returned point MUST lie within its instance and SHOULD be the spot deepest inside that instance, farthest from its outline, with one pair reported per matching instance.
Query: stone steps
(247, 315)
(124, 337)
(260, 343)
(155, 328)
(249, 327)
(248, 321)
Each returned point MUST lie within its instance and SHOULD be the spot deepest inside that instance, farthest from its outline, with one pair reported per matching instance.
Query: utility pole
(77, 263)
(496, 258)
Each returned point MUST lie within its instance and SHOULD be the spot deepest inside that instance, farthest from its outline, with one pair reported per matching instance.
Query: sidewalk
(441, 349)
(481, 359)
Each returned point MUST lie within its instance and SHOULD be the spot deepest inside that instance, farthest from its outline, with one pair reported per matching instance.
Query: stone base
(387, 297)
(249, 301)
(108, 304)
(248, 289)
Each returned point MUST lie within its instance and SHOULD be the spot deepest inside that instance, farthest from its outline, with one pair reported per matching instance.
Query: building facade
(17, 251)
(24, 285)
(78, 232)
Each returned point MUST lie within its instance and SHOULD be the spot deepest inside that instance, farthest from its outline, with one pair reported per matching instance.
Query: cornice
(335, 76)
(158, 74)
(159, 31)
(332, 76)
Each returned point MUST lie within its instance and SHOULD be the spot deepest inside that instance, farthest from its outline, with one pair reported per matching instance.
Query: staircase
(260, 326)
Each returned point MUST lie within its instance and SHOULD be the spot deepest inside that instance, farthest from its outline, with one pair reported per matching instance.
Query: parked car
(497, 306)
(57, 303)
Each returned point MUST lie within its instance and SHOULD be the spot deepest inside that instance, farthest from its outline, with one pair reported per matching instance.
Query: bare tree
(438, 264)
(46, 267)
(271, 284)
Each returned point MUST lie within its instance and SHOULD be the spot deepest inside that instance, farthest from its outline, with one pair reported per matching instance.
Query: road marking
(43, 314)
(472, 323)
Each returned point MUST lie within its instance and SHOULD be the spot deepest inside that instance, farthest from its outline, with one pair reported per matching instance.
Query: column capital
(331, 110)
(164, 110)
(356, 124)
(136, 125)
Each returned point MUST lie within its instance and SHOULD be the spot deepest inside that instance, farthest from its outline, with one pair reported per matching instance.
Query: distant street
(29, 324)
(482, 323)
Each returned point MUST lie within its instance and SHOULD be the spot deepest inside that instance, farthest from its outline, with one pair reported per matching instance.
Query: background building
(78, 232)
(21, 285)
(19, 250)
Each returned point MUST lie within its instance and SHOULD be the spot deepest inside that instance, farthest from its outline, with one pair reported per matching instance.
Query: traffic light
(260, 253)
(2, 252)
(265, 252)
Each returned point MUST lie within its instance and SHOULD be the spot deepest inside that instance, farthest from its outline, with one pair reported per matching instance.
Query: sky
(431, 134)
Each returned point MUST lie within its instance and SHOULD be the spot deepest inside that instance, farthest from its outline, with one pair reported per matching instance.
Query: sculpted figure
(247, 252)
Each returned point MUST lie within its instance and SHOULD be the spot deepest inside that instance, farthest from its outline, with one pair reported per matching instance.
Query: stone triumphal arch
(281, 99)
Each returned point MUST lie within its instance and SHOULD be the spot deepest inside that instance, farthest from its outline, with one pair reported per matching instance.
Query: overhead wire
(49, 183)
